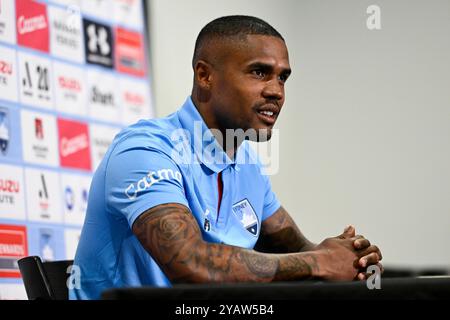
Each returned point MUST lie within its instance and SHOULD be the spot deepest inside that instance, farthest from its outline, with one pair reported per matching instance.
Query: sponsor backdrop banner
(73, 73)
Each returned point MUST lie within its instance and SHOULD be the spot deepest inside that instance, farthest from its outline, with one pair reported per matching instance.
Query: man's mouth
(268, 114)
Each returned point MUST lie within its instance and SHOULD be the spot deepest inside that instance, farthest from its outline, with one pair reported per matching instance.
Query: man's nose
(273, 90)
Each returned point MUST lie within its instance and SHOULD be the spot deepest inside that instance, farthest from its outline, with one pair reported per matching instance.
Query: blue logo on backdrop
(69, 198)
(84, 199)
(4, 130)
(46, 244)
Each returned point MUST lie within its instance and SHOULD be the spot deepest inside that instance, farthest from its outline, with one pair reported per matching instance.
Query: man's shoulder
(151, 134)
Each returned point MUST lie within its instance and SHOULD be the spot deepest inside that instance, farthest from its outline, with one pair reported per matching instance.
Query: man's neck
(208, 117)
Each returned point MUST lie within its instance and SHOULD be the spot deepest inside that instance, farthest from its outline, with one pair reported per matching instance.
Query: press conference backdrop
(72, 74)
(364, 135)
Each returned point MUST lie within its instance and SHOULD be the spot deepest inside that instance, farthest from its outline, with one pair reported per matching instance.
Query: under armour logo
(98, 39)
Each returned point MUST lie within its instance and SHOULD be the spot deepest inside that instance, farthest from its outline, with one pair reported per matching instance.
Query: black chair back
(45, 280)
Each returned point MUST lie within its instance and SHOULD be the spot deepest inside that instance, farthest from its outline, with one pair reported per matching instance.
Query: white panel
(98, 8)
(135, 100)
(12, 192)
(8, 22)
(75, 192)
(129, 13)
(35, 74)
(8, 74)
(72, 237)
(102, 96)
(39, 138)
(43, 196)
(70, 89)
(66, 40)
(12, 291)
(101, 137)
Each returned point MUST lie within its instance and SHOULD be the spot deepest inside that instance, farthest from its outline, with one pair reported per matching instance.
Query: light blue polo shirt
(168, 160)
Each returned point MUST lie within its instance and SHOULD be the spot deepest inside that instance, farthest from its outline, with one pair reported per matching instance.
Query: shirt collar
(206, 148)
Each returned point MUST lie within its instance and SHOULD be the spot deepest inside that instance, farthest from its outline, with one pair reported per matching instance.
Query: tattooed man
(183, 199)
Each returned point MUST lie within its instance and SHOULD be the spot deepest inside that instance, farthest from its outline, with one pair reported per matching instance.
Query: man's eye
(258, 73)
(283, 77)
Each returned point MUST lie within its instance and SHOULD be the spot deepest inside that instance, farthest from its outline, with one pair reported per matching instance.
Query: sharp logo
(105, 98)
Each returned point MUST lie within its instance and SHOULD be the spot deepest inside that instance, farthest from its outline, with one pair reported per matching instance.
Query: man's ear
(203, 74)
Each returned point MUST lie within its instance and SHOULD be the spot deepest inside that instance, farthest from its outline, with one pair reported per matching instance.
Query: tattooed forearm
(260, 264)
(280, 234)
(172, 237)
(292, 264)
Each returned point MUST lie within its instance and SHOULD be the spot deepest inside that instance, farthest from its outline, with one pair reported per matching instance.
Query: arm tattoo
(280, 234)
(173, 238)
(259, 264)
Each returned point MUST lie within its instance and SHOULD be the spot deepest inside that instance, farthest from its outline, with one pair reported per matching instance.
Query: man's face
(247, 89)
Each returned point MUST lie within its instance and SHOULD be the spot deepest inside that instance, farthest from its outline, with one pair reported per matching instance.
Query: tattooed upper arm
(172, 236)
(168, 232)
(280, 234)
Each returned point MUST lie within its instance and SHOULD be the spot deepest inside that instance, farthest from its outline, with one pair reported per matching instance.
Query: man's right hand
(337, 257)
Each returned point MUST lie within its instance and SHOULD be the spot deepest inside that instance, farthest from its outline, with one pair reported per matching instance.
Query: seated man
(181, 200)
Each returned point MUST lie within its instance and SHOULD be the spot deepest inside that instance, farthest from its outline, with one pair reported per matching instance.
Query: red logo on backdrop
(129, 52)
(38, 128)
(134, 98)
(32, 25)
(13, 246)
(70, 84)
(74, 150)
(9, 186)
(5, 67)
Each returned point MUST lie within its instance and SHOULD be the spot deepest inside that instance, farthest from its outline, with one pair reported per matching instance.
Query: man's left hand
(368, 254)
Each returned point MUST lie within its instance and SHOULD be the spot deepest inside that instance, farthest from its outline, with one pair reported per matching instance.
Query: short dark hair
(233, 26)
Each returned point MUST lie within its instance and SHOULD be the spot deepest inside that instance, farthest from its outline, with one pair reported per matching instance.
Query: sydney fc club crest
(244, 212)
(4, 130)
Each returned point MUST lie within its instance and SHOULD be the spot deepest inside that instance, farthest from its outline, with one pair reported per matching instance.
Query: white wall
(365, 131)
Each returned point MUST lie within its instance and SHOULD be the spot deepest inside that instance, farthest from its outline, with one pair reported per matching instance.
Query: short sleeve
(139, 177)
(271, 203)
